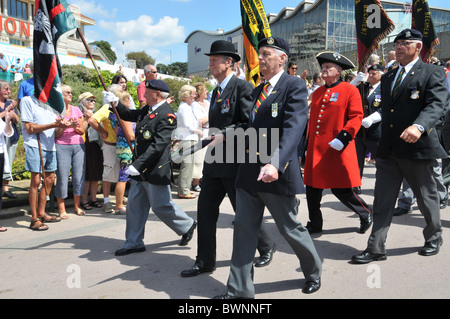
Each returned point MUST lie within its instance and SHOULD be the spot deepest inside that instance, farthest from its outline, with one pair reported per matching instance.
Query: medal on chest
(274, 109)
(334, 97)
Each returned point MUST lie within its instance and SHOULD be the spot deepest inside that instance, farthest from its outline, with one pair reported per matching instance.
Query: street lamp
(123, 52)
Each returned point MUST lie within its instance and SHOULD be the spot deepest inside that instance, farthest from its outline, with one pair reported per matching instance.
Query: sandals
(3, 229)
(95, 204)
(86, 206)
(38, 225)
(121, 211)
(63, 215)
(49, 219)
(80, 212)
(190, 196)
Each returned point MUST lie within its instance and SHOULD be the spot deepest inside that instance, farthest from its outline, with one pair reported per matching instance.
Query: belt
(109, 143)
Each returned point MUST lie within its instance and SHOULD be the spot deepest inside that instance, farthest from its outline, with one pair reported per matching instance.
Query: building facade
(311, 27)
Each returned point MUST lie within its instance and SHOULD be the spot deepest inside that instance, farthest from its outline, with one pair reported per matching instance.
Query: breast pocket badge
(225, 106)
(334, 97)
(147, 135)
(415, 94)
(274, 109)
(377, 101)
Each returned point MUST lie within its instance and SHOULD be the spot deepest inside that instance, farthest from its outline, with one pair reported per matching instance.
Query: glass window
(17, 9)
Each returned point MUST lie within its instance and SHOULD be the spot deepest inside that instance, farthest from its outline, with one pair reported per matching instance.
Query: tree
(141, 58)
(178, 69)
(106, 48)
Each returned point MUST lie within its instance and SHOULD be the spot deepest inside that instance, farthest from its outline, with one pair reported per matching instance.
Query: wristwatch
(420, 128)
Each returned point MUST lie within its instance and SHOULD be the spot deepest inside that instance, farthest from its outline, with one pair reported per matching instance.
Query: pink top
(70, 136)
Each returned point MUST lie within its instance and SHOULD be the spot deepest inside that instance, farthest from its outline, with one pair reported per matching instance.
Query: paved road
(75, 259)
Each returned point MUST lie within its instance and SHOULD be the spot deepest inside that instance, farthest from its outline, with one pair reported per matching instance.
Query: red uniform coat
(333, 111)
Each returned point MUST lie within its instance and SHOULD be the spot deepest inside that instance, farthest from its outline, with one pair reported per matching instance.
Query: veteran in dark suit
(150, 174)
(270, 177)
(414, 99)
(367, 138)
(229, 109)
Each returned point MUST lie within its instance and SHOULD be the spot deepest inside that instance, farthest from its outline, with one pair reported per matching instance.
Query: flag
(422, 21)
(255, 27)
(52, 18)
(372, 26)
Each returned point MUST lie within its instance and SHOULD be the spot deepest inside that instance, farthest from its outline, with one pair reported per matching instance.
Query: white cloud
(144, 34)
(90, 8)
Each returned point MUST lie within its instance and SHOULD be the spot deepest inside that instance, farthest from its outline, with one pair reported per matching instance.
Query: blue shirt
(26, 88)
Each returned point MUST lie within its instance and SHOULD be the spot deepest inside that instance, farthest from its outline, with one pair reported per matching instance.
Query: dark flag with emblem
(372, 26)
(255, 27)
(52, 18)
(422, 21)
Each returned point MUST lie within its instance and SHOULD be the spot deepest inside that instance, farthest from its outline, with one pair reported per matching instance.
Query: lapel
(408, 78)
(271, 98)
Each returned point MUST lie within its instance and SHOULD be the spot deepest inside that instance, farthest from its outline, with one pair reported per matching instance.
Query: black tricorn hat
(222, 47)
(336, 58)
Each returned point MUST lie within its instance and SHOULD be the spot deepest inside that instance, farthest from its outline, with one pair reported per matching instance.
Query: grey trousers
(141, 197)
(389, 177)
(249, 213)
(406, 198)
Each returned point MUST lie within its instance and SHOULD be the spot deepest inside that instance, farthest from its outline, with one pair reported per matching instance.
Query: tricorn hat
(222, 47)
(336, 58)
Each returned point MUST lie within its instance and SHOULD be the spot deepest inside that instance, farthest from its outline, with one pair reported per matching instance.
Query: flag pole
(127, 137)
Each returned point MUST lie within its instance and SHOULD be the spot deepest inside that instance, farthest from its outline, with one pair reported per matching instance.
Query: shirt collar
(224, 83)
(274, 80)
(154, 107)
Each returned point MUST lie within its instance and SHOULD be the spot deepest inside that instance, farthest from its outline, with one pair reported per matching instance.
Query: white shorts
(111, 164)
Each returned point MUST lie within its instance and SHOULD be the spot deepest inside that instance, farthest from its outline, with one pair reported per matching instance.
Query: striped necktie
(398, 82)
(219, 92)
(262, 96)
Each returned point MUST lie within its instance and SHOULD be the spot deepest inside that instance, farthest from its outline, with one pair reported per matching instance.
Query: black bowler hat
(376, 67)
(222, 47)
(409, 34)
(157, 85)
(276, 42)
(336, 58)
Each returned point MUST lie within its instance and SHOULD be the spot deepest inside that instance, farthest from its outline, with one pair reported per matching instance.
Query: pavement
(75, 259)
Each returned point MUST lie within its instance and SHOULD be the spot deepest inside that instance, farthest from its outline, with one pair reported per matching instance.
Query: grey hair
(114, 87)
(3, 83)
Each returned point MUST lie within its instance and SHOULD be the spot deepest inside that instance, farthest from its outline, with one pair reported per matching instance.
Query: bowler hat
(275, 42)
(222, 47)
(157, 85)
(336, 58)
(409, 34)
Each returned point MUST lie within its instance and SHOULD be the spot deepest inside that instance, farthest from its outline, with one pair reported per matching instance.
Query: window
(18, 9)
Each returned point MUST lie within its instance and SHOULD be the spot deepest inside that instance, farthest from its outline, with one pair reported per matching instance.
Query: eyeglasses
(91, 100)
(294, 67)
(403, 43)
(67, 92)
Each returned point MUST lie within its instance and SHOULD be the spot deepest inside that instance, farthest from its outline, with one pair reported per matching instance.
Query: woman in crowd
(70, 153)
(188, 132)
(94, 154)
(11, 142)
(123, 150)
(6, 130)
(122, 81)
(201, 112)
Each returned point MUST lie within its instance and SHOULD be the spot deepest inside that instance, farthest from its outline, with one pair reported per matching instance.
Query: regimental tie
(397, 83)
(262, 96)
(219, 92)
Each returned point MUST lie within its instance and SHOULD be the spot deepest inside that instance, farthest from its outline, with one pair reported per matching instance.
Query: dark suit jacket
(228, 112)
(284, 112)
(153, 138)
(371, 103)
(420, 100)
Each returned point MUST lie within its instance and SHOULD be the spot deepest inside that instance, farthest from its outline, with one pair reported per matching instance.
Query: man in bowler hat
(150, 176)
(279, 107)
(229, 109)
(414, 98)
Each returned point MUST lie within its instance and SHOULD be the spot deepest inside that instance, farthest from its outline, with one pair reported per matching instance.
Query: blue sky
(160, 27)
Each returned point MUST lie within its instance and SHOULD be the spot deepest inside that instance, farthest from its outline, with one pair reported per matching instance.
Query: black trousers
(345, 195)
(363, 146)
(211, 196)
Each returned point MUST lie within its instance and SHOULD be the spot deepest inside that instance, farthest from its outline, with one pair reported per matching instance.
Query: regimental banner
(52, 18)
(372, 26)
(255, 26)
(422, 21)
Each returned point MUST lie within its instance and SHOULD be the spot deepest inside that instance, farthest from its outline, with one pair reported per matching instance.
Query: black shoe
(401, 211)
(195, 271)
(188, 236)
(124, 251)
(365, 224)
(227, 296)
(9, 194)
(311, 229)
(265, 259)
(366, 257)
(431, 247)
(443, 203)
(311, 287)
